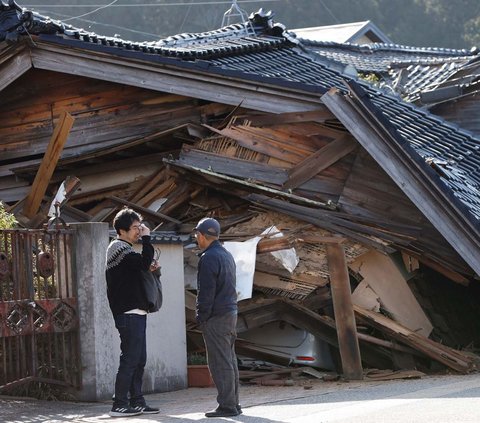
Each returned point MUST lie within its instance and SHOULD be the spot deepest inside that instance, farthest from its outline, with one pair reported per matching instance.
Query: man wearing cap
(216, 314)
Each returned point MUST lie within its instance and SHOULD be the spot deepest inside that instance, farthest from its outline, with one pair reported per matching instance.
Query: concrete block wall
(166, 368)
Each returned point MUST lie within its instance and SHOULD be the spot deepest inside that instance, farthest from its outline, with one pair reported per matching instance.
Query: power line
(329, 11)
(186, 15)
(61, 16)
(113, 4)
(92, 11)
(202, 3)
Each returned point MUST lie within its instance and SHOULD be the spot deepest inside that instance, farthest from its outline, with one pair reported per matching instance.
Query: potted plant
(197, 371)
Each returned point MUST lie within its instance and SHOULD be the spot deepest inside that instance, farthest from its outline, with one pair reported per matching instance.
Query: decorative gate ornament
(4, 266)
(64, 317)
(45, 264)
(17, 318)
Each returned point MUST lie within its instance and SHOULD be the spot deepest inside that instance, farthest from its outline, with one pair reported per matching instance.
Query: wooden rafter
(320, 160)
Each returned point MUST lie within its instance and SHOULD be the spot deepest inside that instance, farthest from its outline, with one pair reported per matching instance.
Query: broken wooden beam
(450, 357)
(48, 164)
(144, 210)
(320, 160)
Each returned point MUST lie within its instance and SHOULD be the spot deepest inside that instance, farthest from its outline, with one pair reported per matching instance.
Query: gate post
(97, 331)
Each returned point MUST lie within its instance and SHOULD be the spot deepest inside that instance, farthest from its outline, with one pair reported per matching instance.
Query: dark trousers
(133, 346)
(219, 334)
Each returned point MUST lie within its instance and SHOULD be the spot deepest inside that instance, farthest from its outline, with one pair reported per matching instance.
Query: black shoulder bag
(153, 289)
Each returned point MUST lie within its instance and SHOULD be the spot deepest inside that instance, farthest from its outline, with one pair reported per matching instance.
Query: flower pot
(199, 376)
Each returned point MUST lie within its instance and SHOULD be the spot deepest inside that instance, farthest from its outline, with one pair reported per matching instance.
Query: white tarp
(245, 255)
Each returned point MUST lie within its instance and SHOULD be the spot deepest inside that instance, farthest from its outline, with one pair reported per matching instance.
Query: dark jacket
(125, 289)
(216, 283)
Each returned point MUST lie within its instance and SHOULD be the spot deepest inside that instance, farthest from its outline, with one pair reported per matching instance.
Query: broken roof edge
(447, 213)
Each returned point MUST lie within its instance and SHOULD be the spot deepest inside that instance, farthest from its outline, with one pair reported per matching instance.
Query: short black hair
(124, 219)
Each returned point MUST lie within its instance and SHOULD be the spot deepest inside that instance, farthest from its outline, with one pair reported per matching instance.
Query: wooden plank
(49, 162)
(283, 274)
(143, 210)
(365, 297)
(150, 183)
(443, 270)
(320, 160)
(386, 280)
(233, 166)
(162, 190)
(344, 315)
(14, 69)
(269, 245)
(284, 118)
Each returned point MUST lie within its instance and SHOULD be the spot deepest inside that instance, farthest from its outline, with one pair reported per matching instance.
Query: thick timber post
(343, 310)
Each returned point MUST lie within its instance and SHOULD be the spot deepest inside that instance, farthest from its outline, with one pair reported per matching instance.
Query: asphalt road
(440, 399)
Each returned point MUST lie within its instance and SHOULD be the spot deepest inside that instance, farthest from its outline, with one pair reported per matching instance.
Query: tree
(7, 220)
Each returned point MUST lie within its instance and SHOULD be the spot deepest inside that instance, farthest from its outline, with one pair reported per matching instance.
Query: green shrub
(7, 220)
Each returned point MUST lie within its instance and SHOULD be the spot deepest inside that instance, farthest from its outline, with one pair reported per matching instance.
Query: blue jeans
(133, 346)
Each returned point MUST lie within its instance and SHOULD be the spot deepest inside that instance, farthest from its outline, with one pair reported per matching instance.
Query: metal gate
(38, 308)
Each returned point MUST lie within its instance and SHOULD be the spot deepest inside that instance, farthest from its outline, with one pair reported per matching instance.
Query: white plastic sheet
(245, 254)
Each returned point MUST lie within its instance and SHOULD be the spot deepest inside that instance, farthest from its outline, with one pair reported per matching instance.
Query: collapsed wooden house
(251, 126)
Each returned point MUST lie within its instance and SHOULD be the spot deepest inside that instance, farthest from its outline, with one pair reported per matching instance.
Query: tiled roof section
(406, 70)
(421, 78)
(258, 35)
(289, 64)
(162, 237)
(379, 58)
(452, 152)
(232, 40)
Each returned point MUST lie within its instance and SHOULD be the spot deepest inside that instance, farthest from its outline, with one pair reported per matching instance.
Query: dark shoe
(239, 408)
(145, 409)
(120, 411)
(223, 412)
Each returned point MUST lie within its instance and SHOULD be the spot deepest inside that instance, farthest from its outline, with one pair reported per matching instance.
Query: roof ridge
(388, 47)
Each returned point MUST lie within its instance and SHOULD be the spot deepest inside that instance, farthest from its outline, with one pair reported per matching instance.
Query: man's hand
(154, 266)
(144, 230)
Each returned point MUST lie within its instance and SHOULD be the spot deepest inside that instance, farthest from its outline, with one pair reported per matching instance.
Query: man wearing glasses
(128, 302)
(216, 313)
